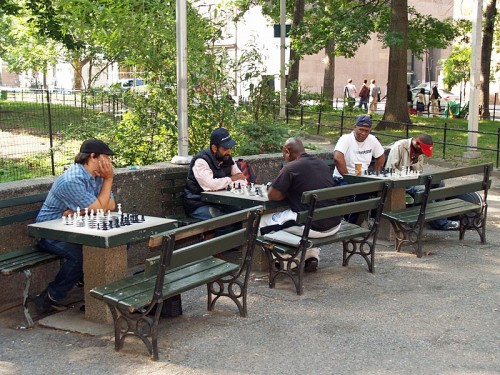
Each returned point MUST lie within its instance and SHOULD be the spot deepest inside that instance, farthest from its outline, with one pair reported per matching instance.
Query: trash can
(3, 95)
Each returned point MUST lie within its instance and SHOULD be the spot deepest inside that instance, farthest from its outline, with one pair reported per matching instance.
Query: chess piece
(119, 208)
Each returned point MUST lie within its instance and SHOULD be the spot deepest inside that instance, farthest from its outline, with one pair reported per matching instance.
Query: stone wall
(132, 188)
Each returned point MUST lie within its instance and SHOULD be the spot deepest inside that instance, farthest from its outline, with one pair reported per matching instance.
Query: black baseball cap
(221, 137)
(95, 146)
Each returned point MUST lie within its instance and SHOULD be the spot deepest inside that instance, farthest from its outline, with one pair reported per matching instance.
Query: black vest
(192, 191)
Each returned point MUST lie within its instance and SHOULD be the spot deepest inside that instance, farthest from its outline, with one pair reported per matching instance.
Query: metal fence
(33, 124)
(34, 127)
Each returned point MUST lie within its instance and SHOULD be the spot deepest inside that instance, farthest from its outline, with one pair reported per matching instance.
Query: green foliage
(260, 138)
(457, 66)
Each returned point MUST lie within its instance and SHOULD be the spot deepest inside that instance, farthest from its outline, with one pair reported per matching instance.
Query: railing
(338, 123)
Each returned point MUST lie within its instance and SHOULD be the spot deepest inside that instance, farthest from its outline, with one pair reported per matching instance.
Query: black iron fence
(451, 140)
(35, 141)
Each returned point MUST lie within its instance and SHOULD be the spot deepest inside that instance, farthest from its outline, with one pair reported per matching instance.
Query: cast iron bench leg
(29, 320)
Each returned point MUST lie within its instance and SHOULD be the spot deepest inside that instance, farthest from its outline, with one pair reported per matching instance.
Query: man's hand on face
(104, 167)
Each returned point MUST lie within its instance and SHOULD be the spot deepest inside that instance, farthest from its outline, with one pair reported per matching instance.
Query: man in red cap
(409, 153)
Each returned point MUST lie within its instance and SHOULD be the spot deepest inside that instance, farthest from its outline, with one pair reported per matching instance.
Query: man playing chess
(409, 153)
(212, 169)
(86, 184)
(302, 172)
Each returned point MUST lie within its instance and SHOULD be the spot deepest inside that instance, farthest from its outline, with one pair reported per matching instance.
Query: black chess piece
(142, 218)
(111, 224)
(228, 187)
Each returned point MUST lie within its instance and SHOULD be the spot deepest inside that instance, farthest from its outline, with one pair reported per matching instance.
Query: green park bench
(184, 263)
(443, 202)
(23, 259)
(287, 258)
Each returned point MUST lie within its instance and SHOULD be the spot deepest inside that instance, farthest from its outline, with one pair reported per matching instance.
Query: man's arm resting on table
(340, 162)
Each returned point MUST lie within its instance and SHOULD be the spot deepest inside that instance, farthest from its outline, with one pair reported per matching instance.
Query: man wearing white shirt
(358, 147)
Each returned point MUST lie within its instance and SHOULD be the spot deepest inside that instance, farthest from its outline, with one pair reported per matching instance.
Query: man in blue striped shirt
(86, 184)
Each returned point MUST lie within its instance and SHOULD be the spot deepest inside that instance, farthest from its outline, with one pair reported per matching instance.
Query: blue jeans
(214, 210)
(363, 102)
(71, 271)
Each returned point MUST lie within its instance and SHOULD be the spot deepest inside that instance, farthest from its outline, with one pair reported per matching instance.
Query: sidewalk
(435, 315)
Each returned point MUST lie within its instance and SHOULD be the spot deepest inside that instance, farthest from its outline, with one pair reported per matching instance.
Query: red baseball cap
(426, 147)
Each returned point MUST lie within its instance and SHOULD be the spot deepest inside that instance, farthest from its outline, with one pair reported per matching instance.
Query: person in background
(85, 184)
(302, 172)
(409, 153)
(364, 95)
(210, 170)
(350, 93)
(421, 102)
(374, 97)
(409, 97)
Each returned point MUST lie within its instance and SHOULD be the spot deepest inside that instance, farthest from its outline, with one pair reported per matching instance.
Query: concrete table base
(100, 267)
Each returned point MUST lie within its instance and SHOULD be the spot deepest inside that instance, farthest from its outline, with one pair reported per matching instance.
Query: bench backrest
(21, 209)
(192, 249)
(172, 192)
(375, 193)
(464, 186)
(343, 195)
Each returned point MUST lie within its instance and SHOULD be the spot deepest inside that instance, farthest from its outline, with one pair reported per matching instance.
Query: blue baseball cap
(221, 137)
(364, 121)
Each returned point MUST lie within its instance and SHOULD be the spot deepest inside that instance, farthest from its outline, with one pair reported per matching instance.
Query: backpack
(363, 92)
(248, 170)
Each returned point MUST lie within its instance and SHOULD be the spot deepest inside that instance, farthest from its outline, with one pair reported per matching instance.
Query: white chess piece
(63, 220)
(119, 209)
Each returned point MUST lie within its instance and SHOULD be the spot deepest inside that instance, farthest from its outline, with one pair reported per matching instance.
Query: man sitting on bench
(302, 172)
(409, 153)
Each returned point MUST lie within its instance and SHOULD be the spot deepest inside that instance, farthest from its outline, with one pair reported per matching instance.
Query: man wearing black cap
(409, 153)
(86, 184)
(357, 147)
(210, 170)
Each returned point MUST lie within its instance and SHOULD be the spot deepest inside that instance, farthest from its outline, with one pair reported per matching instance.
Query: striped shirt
(74, 188)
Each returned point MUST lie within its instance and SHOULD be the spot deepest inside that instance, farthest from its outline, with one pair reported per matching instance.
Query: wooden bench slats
(339, 209)
(22, 259)
(346, 231)
(21, 201)
(136, 292)
(18, 218)
(436, 210)
(449, 191)
(343, 191)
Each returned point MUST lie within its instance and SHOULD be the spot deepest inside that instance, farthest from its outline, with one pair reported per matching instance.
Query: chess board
(244, 197)
(392, 174)
(86, 235)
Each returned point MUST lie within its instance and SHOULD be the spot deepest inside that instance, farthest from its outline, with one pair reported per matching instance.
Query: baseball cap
(95, 146)
(426, 147)
(364, 121)
(221, 137)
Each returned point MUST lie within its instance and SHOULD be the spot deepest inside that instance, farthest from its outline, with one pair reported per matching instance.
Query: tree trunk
(487, 46)
(396, 107)
(78, 74)
(329, 76)
(293, 74)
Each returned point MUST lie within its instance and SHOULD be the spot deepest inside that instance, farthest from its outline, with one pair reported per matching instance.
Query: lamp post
(182, 119)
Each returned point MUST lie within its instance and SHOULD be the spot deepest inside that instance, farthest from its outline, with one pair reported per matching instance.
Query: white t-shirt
(357, 152)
